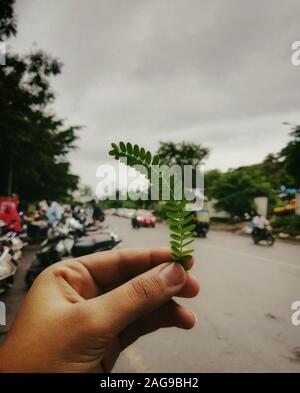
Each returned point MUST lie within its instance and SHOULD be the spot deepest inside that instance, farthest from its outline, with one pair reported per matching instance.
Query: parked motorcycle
(36, 230)
(11, 245)
(65, 240)
(8, 268)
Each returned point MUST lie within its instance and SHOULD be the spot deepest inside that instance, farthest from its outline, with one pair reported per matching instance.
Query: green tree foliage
(290, 224)
(283, 168)
(291, 156)
(235, 191)
(8, 24)
(210, 180)
(182, 153)
(273, 169)
(33, 142)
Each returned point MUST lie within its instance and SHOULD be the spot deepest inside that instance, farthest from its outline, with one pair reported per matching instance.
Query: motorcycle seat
(89, 244)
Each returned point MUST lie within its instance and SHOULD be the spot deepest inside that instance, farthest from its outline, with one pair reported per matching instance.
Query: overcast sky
(217, 73)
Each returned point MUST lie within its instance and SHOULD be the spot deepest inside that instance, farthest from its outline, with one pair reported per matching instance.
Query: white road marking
(243, 254)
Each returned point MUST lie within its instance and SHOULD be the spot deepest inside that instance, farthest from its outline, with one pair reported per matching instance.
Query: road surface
(244, 308)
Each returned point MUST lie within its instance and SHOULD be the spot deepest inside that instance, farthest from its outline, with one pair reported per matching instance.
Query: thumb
(123, 305)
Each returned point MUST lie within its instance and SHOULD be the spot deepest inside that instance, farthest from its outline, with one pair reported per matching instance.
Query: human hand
(81, 313)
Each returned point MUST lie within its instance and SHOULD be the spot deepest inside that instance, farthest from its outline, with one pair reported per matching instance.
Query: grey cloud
(213, 72)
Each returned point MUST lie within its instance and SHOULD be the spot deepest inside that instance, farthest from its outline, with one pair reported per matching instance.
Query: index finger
(109, 267)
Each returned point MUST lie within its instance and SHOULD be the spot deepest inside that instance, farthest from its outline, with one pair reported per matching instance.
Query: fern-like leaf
(179, 220)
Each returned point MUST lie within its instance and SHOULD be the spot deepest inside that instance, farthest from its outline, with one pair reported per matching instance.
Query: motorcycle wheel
(270, 240)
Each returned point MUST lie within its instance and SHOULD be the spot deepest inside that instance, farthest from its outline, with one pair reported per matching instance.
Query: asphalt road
(244, 308)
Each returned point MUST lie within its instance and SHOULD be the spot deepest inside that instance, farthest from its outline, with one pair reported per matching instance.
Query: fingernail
(173, 274)
(195, 316)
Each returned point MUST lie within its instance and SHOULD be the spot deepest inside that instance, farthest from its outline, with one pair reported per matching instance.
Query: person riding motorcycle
(54, 212)
(98, 214)
(259, 224)
(201, 220)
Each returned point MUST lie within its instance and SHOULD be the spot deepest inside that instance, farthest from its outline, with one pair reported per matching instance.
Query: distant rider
(98, 215)
(259, 224)
(54, 212)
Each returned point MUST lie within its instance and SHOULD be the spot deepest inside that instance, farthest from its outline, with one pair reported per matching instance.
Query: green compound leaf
(180, 204)
(186, 220)
(175, 228)
(187, 252)
(187, 243)
(172, 214)
(188, 235)
(179, 219)
(136, 151)
(175, 244)
(189, 228)
(142, 153)
(115, 147)
(175, 236)
(175, 251)
(155, 160)
(173, 222)
(122, 147)
(174, 257)
(186, 213)
(129, 148)
(172, 208)
(131, 161)
(186, 257)
(148, 158)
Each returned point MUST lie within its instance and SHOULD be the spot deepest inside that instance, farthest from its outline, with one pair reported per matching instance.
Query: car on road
(145, 218)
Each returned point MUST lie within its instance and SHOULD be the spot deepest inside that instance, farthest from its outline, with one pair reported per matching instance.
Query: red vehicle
(9, 213)
(143, 218)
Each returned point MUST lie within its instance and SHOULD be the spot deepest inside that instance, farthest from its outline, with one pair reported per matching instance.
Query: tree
(273, 168)
(8, 24)
(291, 156)
(182, 153)
(33, 142)
(235, 191)
(210, 180)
